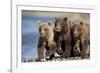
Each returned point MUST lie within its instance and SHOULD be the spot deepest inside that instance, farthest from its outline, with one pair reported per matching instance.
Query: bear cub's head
(45, 29)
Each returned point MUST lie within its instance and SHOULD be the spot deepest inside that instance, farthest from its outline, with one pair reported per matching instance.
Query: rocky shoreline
(56, 59)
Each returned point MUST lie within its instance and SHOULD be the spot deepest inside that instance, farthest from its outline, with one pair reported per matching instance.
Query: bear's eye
(80, 29)
(74, 29)
(46, 29)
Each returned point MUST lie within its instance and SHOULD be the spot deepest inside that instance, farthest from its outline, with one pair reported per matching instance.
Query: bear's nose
(42, 32)
(75, 33)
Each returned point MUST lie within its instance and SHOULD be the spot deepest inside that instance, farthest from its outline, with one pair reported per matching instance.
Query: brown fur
(46, 41)
(80, 33)
(62, 37)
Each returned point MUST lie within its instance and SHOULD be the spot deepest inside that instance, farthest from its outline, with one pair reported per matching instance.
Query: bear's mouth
(75, 35)
(58, 29)
(42, 35)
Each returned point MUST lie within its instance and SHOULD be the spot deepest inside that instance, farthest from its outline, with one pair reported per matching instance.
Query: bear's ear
(39, 24)
(65, 19)
(81, 23)
(50, 23)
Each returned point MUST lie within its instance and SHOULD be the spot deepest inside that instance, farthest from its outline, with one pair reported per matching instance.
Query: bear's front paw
(42, 60)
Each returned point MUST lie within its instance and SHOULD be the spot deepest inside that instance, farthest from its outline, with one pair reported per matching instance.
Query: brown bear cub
(46, 44)
(80, 39)
(62, 37)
